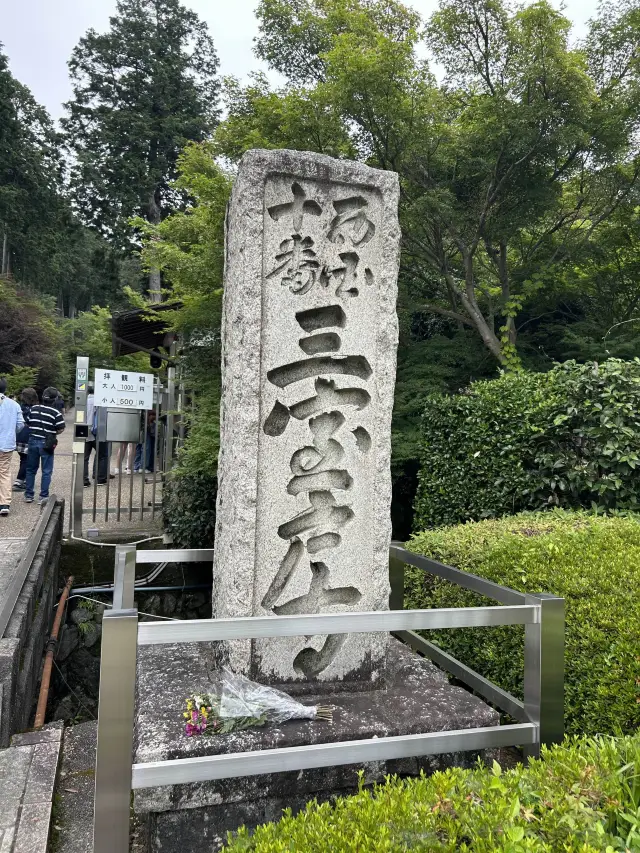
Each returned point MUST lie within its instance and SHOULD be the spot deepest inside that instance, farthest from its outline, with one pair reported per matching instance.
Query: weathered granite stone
(33, 830)
(417, 698)
(309, 357)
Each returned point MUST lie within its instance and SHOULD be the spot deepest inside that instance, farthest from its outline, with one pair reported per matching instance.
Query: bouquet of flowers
(240, 704)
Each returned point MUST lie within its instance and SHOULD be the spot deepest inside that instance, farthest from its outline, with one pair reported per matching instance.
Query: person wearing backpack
(11, 422)
(45, 423)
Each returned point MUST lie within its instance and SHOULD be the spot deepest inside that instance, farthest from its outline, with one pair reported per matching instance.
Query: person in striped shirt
(45, 422)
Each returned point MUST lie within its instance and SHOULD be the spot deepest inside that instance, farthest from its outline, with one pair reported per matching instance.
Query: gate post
(116, 714)
(544, 671)
(81, 433)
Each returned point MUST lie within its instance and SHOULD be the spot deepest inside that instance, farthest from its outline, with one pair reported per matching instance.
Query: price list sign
(124, 389)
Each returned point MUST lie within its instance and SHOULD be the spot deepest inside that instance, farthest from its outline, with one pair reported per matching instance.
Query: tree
(30, 172)
(141, 92)
(188, 247)
(506, 168)
(29, 335)
(43, 245)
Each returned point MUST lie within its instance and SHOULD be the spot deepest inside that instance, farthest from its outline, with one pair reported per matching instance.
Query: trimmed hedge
(568, 438)
(581, 797)
(593, 562)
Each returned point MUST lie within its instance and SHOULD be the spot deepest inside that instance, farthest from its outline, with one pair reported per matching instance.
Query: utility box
(119, 425)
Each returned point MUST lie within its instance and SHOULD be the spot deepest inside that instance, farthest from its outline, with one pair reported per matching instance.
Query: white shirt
(11, 422)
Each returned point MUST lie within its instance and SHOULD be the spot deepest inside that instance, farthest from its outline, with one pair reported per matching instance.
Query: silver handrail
(540, 715)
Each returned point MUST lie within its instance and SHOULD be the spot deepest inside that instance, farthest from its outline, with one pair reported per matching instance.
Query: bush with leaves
(189, 508)
(581, 797)
(593, 562)
(567, 438)
(189, 249)
(20, 378)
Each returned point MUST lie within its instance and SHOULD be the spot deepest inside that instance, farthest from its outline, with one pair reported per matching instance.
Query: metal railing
(540, 716)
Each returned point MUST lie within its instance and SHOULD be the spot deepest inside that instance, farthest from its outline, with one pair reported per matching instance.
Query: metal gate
(125, 466)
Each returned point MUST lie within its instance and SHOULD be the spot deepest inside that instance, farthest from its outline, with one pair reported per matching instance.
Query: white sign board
(124, 389)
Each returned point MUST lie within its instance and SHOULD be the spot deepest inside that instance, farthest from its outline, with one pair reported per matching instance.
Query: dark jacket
(22, 438)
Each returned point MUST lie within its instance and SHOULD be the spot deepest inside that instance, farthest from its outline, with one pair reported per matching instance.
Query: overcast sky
(39, 35)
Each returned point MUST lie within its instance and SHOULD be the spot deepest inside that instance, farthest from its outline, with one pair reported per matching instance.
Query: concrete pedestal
(418, 698)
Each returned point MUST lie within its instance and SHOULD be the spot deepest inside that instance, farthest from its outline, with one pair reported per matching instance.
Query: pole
(116, 714)
(48, 661)
(171, 405)
(81, 434)
(544, 671)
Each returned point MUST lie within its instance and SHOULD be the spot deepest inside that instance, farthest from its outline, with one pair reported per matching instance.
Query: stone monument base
(418, 698)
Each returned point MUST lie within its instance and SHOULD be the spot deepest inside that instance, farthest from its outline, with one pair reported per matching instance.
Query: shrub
(20, 378)
(568, 438)
(593, 562)
(581, 797)
(189, 507)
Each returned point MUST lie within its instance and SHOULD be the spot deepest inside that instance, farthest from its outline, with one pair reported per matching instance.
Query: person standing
(149, 451)
(28, 399)
(45, 422)
(11, 422)
(59, 403)
(101, 458)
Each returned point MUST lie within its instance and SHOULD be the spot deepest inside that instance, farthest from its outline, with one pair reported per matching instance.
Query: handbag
(50, 442)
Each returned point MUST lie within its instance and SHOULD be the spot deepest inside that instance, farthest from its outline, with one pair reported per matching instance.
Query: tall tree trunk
(155, 279)
(503, 271)
(468, 298)
(5, 253)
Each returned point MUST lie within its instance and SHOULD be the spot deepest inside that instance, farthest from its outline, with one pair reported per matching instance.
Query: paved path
(23, 516)
(27, 778)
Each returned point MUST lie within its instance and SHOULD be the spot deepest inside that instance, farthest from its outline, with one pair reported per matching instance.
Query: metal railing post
(124, 577)
(544, 671)
(116, 711)
(396, 581)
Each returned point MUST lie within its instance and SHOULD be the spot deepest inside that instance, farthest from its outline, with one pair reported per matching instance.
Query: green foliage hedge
(567, 438)
(593, 562)
(189, 507)
(581, 797)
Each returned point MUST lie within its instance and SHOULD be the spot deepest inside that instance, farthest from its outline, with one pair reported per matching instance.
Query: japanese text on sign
(124, 389)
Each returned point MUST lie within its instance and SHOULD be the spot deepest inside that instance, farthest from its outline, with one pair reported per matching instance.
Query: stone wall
(75, 685)
(22, 647)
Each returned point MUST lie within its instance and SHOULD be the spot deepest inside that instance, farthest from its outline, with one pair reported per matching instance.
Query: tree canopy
(142, 90)
(508, 166)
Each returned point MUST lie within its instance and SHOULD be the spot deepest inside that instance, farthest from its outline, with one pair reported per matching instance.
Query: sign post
(81, 433)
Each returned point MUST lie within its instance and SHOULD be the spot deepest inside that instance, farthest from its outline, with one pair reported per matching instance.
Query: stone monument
(309, 357)
(303, 522)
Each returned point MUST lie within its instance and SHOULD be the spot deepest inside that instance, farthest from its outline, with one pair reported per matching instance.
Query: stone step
(28, 771)
(73, 826)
